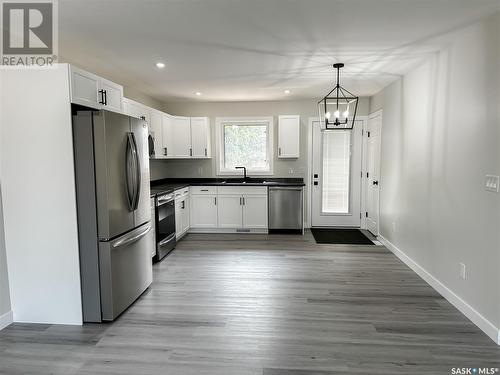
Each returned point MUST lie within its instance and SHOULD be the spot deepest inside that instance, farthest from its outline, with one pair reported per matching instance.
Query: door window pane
(246, 145)
(336, 171)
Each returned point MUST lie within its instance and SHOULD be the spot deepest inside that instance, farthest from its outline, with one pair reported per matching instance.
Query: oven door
(165, 227)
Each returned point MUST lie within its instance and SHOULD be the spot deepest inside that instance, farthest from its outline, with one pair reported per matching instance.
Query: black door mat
(340, 236)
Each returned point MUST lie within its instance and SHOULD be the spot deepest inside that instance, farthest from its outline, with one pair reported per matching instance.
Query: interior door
(373, 162)
(140, 130)
(336, 189)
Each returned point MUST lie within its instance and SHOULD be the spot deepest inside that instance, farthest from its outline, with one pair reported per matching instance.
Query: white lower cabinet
(182, 207)
(254, 211)
(204, 211)
(229, 213)
(228, 209)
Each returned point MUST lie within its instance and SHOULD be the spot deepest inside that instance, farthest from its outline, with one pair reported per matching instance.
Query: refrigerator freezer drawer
(126, 270)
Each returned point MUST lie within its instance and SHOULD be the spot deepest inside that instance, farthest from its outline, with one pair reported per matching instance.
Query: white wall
(192, 168)
(5, 311)
(38, 194)
(440, 137)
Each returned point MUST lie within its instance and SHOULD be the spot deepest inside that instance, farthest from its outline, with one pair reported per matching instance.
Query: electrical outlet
(462, 271)
(491, 183)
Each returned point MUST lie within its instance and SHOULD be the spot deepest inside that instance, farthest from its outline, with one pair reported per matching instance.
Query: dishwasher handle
(278, 188)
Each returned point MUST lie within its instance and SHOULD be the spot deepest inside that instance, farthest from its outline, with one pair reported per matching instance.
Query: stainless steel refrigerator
(114, 213)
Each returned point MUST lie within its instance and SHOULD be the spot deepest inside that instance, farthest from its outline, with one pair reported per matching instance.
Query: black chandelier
(337, 110)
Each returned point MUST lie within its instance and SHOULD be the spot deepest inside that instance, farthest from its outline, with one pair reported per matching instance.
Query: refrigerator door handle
(128, 240)
(130, 175)
(137, 174)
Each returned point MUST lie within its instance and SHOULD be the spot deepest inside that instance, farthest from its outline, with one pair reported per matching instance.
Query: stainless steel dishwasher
(286, 209)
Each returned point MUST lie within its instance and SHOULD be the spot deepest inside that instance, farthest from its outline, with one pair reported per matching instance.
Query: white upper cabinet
(289, 136)
(113, 95)
(92, 91)
(84, 88)
(200, 137)
(167, 128)
(181, 134)
(135, 109)
(156, 131)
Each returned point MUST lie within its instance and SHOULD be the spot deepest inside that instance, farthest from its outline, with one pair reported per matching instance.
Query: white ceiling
(255, 49)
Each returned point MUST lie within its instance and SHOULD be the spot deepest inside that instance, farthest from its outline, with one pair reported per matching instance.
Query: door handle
(137, 174)
(206, 154)
(183, 204)
(129, 240)
(165, 151)
(101, 101)
(129, 172)
(375, 183)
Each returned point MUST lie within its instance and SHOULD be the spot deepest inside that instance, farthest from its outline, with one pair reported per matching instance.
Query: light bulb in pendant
(336, 113)
(345, 114)
(328, 115)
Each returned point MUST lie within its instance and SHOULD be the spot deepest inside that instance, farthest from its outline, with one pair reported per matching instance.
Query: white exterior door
(336, 189)
(229, 212)
(254, 211)
(374, 136)
(203, 211)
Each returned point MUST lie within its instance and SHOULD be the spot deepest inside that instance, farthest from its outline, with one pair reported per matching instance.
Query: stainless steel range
(164, 225)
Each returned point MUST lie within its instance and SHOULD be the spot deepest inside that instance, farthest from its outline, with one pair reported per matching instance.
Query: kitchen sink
(243, 181)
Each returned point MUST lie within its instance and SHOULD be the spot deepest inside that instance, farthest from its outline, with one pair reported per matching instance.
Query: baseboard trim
(6, 319)
(474, 316)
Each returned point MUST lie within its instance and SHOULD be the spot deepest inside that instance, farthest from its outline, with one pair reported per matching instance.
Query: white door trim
(365, 168)
(309, 176)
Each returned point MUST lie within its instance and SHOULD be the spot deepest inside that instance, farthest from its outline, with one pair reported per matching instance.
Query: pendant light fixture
(337, 110)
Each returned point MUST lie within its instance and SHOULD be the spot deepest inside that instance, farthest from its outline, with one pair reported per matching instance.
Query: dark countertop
(168, 185)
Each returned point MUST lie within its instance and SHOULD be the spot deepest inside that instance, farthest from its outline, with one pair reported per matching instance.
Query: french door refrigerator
(114, 214)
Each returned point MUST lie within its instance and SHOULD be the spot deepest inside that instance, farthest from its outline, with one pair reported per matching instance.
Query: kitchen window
(245, 142)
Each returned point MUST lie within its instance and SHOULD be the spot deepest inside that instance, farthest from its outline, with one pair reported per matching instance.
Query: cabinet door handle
(190, 152)
(279, 151)
(183, 204)
(101, 100)
(206, 152)
(105, 97)
(165, 151)
(215, 201)
(240, 201)
(243, 201)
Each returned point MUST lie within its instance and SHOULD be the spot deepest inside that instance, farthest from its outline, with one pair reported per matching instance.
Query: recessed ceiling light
(160, 65)
(287, 92)
(197, 93)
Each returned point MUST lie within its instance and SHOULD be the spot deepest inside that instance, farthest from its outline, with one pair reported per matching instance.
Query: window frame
(219, 139)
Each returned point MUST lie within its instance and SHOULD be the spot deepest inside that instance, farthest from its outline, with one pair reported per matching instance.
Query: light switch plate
(492, 183)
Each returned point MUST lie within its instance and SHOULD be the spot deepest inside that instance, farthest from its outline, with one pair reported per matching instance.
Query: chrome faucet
(244, 171)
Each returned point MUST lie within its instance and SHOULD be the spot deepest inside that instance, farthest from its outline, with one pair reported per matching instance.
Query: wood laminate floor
(264, 305)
